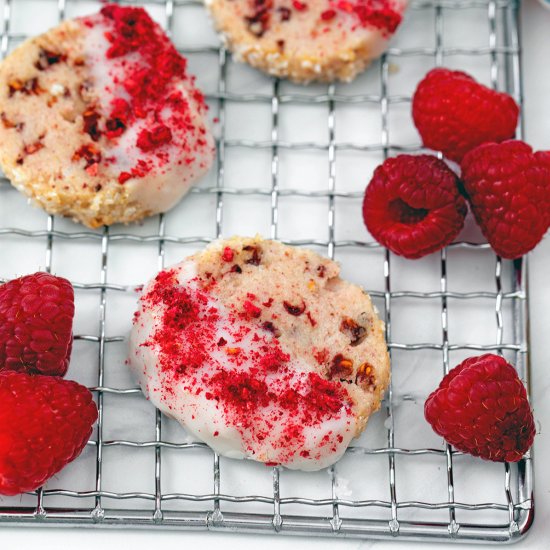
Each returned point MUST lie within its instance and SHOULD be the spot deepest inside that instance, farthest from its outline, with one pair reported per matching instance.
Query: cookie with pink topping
(99, 120)
(307, 40)
(262, 351)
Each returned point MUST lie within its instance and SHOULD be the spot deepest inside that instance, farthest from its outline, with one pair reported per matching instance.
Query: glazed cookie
(100, 121)
(309, 40)
(261, 351)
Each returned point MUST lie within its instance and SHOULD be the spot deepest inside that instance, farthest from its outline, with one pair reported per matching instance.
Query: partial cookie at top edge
(313, 40)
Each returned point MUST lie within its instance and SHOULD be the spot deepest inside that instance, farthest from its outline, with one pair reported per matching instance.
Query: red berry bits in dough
(454, 114)
(412, 205)
(100, 120)
(481, 408)
(309, 40)
(279, 361)
(508, 187)
(36, 324)
(45, 422)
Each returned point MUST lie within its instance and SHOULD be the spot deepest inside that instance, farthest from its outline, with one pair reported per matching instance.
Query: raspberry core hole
(402, 212)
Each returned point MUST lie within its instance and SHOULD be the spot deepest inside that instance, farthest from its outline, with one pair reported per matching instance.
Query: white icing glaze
(101, 68)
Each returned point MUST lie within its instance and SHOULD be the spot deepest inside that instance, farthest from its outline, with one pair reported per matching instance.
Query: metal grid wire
(375, 518)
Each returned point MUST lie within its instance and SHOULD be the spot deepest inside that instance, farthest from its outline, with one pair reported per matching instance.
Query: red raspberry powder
(327, 15)
(147, 67)
(299, 6)
(380, 14)
(228, 254)
(151, 139)
(256, 388)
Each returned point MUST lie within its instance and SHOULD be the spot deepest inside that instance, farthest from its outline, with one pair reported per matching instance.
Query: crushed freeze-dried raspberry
(254, 384)
(299, 6)
(228, 254)
(327, 15)
(47, 58)
(145, 69)
(148, 140)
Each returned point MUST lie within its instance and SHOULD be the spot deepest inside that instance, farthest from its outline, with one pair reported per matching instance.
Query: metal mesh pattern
(398, 480)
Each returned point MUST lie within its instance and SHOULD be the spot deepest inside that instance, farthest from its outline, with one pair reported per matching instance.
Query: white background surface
(536, 42)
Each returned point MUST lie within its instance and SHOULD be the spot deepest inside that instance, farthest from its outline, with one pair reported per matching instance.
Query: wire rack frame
(519, 511)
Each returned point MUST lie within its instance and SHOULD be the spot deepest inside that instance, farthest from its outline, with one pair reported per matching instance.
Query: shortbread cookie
(100, 121)
(308, 40)
(261, 351)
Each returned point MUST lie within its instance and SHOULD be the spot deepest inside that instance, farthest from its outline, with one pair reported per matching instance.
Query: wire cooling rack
(289, 159)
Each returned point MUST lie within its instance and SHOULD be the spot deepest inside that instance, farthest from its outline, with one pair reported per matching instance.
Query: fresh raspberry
(481, 408)
(454, 113)
(412, 205)
(508, 187)
(45, 422)
(36, 320)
